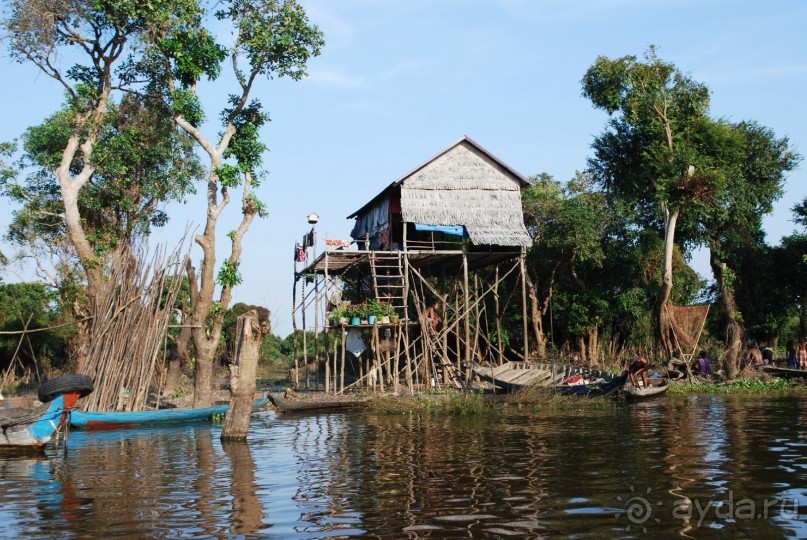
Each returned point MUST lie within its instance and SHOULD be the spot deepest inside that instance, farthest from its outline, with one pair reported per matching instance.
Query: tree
(649, 155)
(106, 39)
(753, 163)
(273, 38)
(30, 305)
(793, 263)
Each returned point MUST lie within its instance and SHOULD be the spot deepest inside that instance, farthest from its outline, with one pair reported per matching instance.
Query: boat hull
(159, 417)
(291, 405)
(32, 428)
(513, 376)
(594, 390)
(656, 388)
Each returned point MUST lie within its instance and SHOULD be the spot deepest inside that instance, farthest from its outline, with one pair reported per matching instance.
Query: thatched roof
(464, 185)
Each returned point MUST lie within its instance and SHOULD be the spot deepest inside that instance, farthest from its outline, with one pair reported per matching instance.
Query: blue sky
(399, 80)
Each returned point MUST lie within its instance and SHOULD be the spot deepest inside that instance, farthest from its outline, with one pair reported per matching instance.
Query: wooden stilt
(342, 373)
(523, 262)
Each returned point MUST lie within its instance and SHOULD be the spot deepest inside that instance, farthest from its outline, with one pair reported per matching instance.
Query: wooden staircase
(386, 268)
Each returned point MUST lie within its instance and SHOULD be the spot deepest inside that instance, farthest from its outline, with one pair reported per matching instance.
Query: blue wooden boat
(158, 417)
(33, 427)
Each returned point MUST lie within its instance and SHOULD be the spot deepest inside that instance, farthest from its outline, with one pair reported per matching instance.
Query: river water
(705, 466)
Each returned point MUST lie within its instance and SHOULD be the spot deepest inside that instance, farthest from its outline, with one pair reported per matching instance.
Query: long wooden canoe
(512, 376)
(305, 405)
(785, 372)
(159, 417)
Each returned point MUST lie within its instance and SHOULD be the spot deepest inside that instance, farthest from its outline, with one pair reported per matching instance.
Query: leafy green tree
(106, 40)
(751, 163)
(143, 162)
(272, 38)
(708, 179)
(650, 154)
(101, 36)
(792, 262)
(597, 267)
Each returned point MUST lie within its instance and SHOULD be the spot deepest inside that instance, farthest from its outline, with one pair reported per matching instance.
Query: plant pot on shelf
(385, 319)
(355, 321)
(371, 319)
(364, 321)
(394, 319)
(343, 320)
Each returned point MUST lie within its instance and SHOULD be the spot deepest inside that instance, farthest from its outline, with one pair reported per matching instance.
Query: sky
(400, 80)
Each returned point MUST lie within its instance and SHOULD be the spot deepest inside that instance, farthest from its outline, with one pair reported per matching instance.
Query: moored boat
(656, 387)
(158, 417)
(602, 387)
(34, 427)
(787, 373)
(305, 405)
(513, 376)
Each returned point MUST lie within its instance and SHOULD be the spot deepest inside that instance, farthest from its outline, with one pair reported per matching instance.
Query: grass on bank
(466, 404)
(740, 386)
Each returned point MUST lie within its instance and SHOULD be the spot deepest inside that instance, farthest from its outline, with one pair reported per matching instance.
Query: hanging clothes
(299, 253)
(354, 343)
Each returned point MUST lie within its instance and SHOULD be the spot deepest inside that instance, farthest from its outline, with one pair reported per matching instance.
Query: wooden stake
(242, 377)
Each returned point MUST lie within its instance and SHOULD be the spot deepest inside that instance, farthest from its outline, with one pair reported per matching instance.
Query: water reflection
(691, 465)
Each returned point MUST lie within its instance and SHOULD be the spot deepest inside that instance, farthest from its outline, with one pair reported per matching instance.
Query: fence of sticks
(129, 326)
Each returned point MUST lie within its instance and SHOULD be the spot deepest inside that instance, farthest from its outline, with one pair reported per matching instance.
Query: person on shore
(676, 367)
(767, 355)
(432, 315)
(638, 366)
(703, 366)
(754, 357)
(801, 354)
(792, 356)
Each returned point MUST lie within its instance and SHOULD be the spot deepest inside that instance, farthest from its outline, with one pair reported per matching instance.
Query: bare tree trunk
(663, 323)
(734, 330)
(581, 344)
(593, 345)
(179, 357)
(536, 314)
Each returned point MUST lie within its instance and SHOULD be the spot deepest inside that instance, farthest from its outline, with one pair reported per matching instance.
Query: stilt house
(457, 212)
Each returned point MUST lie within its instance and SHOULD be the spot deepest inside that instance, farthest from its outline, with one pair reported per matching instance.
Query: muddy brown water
(706, 466)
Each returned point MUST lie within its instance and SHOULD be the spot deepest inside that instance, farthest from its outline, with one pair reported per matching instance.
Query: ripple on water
(345, 475)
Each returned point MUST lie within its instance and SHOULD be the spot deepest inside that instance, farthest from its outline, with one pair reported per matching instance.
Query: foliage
(142, 163)
(32, 305)
(743, 386)
(272, 38)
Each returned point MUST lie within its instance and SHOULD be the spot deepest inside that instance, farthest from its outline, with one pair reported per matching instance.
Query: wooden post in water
(242, 377)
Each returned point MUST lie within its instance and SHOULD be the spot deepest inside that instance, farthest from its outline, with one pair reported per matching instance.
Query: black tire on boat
(72, 382)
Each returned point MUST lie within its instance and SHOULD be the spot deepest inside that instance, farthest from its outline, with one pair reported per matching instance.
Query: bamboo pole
(397, 339)
(466, 315)
(498, 317)
(342, 372)
(524, 302)
(305, 337)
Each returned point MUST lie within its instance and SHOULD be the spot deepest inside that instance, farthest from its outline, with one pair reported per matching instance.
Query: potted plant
(339, 315)
(386, 311)
(353, 313)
